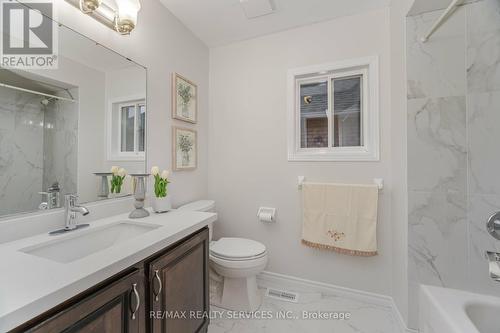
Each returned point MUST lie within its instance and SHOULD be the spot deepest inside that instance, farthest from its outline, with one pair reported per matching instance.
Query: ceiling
(220, 22)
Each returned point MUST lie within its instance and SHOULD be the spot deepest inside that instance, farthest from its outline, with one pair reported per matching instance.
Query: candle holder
(104, 190)
(139, 195)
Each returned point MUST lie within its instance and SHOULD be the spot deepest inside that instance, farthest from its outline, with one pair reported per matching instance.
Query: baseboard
(269, 279)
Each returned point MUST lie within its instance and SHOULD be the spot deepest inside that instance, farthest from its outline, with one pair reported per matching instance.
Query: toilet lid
(237, 248)
(199, 206)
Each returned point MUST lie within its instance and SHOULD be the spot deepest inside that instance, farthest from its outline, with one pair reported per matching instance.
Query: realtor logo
(29, 36)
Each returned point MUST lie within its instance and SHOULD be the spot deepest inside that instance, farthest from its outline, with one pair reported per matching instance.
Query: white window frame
(136, 105)
(114, 151)
(369, 151)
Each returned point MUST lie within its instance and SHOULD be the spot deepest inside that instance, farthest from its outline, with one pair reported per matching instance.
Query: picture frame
(184, 99)
(184, 149)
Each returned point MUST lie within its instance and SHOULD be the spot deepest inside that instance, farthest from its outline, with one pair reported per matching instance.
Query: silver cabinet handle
(137, 300)
(157, 277)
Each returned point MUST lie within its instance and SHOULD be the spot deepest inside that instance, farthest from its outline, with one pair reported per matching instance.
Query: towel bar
(377, 181)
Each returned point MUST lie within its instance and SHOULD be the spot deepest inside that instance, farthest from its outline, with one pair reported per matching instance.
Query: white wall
(399, 194)
(248, 164)
(162, 44)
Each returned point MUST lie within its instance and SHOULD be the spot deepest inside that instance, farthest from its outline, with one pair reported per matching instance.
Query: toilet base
(241, 294)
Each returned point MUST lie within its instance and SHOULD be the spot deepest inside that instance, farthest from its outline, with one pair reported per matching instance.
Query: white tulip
(122, 172)
(114, 169)
(165, 174)
(155, 170)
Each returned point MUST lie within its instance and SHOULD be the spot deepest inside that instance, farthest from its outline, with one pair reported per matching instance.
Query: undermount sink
(484, 316)
(86, 242)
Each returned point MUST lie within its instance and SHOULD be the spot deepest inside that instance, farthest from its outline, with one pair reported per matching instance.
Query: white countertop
(31, 285)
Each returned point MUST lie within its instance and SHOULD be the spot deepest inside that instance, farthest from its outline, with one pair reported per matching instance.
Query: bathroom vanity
(174, 279)
(77, 130)
(155, 281)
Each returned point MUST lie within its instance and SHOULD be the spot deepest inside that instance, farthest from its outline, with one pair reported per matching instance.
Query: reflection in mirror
(62, 130)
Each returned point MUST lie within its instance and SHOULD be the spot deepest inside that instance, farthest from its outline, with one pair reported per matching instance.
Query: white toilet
(237, 261)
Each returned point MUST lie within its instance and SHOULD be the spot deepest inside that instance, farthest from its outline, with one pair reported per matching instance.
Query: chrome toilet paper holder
(267, 214)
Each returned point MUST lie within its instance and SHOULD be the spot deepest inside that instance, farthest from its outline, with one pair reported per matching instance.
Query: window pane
(127, 128)
(141, 127)
(347, 112)
(313, 119)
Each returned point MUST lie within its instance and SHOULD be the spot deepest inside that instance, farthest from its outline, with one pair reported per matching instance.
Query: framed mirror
(72, 128)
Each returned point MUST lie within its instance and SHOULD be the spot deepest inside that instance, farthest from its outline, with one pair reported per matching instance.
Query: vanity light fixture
(119, 15)
(88, 6)
(126, 16)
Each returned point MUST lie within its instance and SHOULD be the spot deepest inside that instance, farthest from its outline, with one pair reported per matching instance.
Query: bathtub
(443, 310)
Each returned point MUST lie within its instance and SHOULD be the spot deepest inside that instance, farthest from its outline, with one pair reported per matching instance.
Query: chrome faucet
(494, 265)
(70, 210)
(493, 228)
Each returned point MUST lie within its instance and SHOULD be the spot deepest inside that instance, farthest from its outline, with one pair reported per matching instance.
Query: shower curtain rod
(446, 14)
(37, 93)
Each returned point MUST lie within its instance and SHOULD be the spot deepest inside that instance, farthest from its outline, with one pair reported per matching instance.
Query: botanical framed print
(185, 149)
(184, 99)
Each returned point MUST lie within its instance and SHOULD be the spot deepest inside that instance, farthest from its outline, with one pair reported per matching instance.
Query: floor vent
(282, 295)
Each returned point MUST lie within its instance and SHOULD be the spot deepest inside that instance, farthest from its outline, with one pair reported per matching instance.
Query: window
(128, 130)
(334, 112)
(133, 119)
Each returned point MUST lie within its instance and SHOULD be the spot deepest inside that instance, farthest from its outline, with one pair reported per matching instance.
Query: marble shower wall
(453, 159)
(60, 145)
(38, 146)
(21, 151)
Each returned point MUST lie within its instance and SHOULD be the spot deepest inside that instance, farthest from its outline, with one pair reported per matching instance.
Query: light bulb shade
(126, 16)
(88, 6)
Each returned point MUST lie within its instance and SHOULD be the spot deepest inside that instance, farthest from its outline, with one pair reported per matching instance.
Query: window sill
(351, 154)
(134, 158)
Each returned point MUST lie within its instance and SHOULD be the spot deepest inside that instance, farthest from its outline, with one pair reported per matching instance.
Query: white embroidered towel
(340, 217)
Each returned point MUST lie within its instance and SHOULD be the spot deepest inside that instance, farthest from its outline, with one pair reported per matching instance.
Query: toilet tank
(201, 206)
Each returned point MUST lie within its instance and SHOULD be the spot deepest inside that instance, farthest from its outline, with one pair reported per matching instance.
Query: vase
(185, 111)
(185, 158)
(161, 205)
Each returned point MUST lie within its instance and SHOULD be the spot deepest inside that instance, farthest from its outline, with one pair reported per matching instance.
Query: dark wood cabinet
(179, 292)
(167, 292)
(118, 308)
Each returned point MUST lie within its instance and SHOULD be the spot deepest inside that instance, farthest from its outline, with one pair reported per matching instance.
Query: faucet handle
(494, 265)
(493, 225)
(70, 199)
(492, 256)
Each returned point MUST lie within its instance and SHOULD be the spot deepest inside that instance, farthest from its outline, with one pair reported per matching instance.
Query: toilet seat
(213, 255)
(237, 249)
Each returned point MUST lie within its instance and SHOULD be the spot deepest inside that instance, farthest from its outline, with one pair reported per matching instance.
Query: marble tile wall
(38, 146)
(483, 123)
(453, 121)
(21, 151)
(60, 145)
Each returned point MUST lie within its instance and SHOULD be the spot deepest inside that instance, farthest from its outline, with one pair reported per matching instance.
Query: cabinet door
(178, 283)
(118, 308)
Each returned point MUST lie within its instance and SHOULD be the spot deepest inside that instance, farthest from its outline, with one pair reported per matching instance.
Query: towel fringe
(339, 250)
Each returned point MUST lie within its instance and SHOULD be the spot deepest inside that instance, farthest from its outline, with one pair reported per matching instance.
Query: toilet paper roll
(266, 217)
